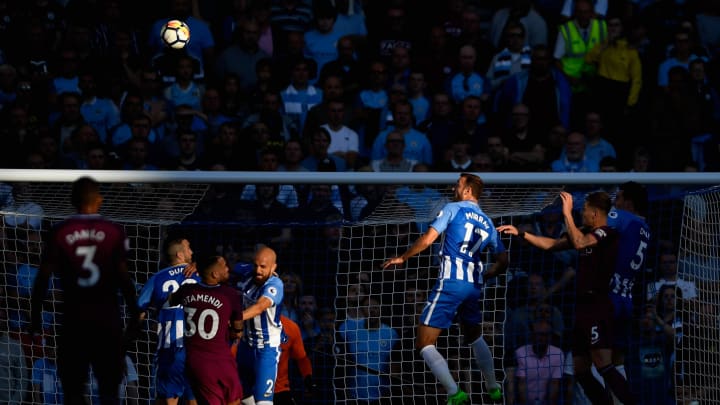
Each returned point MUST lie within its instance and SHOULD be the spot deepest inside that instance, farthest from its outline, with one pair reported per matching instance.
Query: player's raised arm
(422, 243)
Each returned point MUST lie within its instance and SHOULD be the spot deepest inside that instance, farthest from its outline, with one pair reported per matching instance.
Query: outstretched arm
(542, 242)
(576, 238)
(257, 308)
(420, 244)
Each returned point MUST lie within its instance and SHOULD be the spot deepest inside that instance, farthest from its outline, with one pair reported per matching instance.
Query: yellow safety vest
(573, 62)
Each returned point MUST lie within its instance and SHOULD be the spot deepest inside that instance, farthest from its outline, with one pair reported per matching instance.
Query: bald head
(265, 264)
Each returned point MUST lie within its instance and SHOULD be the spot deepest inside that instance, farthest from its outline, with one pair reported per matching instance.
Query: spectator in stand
(226, 149)
(539, 367)
(212, 109)
(47, 147)
(535, 302)
(77, 145)
(186, 89)
(372, 104)
(417, 146)
(668, 263)
(617, 86)
(600, 8)
(709, 100)
(351, 18)
(675, 118)
(392, 30)
(322, 357)
(474, 32)
(233, 98)
(300, 96)
(267, 209)
(65, 77)
(513, 58)
(13, 368)
(292, 348)
(202, 46)
(596, 144)
(242, 56)
(154, 103)
(472, 123)
(319, 158)
(467, 81)
(293, 285)
(346, 66)
(189, 157)
(575, 159)
(439, 124)
(269, 160)
(321, 40)
(332, 90)
(308, 317)
(525, 150)
(543, 88)
(138, 155)
(100, 112)
(641, 160)
(682, 55)
(293, 156)
(460, 160)
(98, 158)
(574, 40)
(417, 88)
(524, 12)
(69, 119)
(437, 58)
(394, 160)
(362, 342)
(344, 141)
(272, 117)
(482, 163)
(399, 67)
(288, 16)
(498, 153)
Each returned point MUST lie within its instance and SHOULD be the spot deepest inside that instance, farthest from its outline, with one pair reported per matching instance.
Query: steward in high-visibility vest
(573, 61)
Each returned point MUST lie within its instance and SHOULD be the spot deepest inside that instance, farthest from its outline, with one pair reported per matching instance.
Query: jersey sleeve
(443, 218)
(146, 293)
(273, 290)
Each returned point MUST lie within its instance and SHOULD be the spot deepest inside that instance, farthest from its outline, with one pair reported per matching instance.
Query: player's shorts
(258, 370)
(450, 299)
(77, 351)
(214, 379)
(593, 323)
(622, 321)
(170, 380)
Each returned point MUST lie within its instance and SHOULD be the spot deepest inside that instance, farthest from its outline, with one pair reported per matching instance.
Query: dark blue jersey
(634, 237)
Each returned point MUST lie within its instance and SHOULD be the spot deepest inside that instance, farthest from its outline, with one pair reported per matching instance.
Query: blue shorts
(258, 370)
(170, 380)
(451, 299)
(622, 321)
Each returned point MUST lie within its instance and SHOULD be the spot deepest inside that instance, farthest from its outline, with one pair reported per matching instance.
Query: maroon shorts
(593, 323)
(214, 379)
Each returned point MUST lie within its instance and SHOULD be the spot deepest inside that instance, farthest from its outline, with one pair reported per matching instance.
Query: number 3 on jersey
(91, 274)
(193, 325)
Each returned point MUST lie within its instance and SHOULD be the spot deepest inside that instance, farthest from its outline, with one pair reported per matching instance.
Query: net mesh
(698, 339)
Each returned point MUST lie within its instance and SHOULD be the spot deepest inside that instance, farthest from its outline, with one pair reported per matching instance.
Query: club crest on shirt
(440, 213)
(272, 291)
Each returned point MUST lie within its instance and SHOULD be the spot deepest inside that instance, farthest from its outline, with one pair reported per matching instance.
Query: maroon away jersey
(85, 252)
(209, 310)
(597, 263)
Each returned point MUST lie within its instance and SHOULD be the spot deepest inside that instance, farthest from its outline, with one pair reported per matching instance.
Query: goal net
(378, 310)
(361, 334)
(697, 342)
(30, 209)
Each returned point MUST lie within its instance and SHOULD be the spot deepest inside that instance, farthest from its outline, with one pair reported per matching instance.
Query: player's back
(156, 293)
(634, 238)
(209, 310)
(87, 251)
(467, 231)
(596, 264)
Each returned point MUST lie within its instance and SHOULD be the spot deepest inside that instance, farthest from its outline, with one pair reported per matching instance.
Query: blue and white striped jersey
(632, 250)
(155, 293)
(264, 329)
(467, 232)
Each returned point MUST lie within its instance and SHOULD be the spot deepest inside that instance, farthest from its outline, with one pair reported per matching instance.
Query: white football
(175, 34)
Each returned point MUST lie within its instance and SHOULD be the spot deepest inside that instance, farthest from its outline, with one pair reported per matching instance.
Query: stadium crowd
(352, 85)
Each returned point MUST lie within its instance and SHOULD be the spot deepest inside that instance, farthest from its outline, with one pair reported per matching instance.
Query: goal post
(344, 273)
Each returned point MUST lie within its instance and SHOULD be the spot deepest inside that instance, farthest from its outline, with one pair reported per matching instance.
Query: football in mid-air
(175, 34)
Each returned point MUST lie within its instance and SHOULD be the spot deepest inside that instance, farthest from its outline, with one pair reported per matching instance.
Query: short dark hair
(637, 194)
(206, 263)
(600, 200)
(475, 183)
(84, 190)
